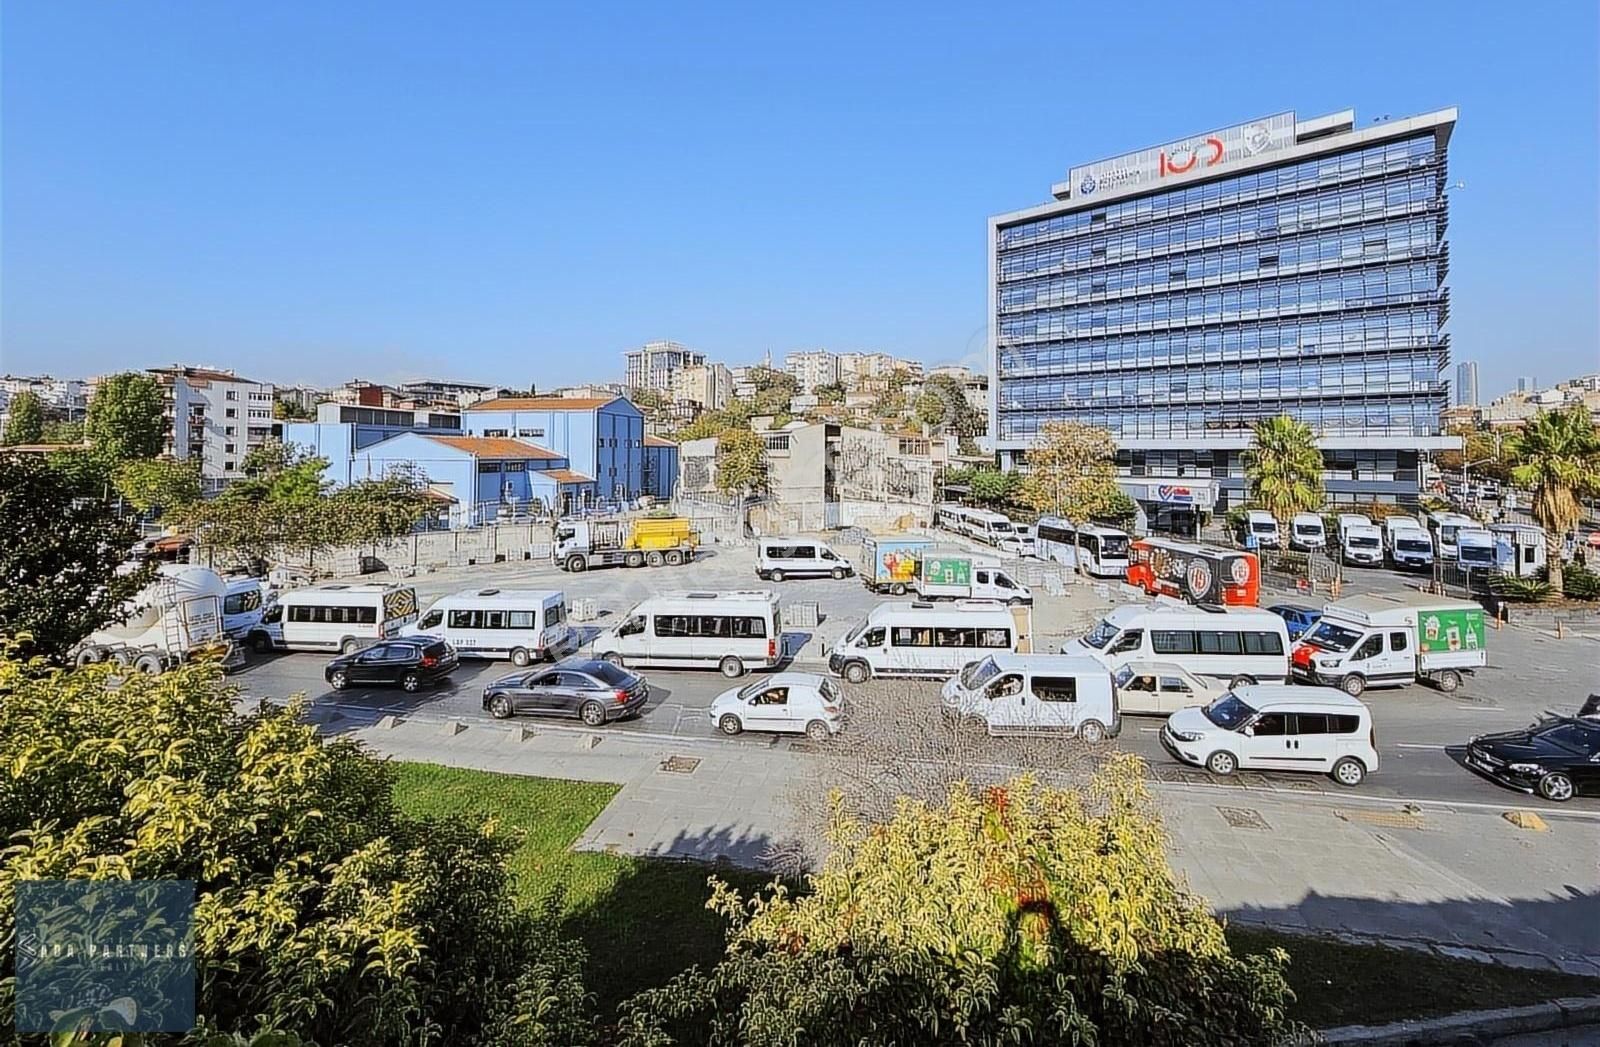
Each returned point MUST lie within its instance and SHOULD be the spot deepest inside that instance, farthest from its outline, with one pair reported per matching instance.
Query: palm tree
(1283, 467)
(1558, 455)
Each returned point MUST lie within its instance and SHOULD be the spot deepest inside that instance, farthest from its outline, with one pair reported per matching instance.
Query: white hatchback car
(791, 703)
(1273, 728)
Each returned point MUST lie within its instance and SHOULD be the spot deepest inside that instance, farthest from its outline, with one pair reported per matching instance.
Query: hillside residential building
(1515, 408)
(459, 394)
(1177, 294)
(653, 365)
(708, 387)
(812, 368)
(214, 417)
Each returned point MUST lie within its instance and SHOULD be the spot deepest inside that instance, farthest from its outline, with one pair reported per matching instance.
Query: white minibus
(524, 625)
(780, 558)
(1306, 532)
(1104, 549)
(341, 616)
(1239, 644)
(1445, 526)
(985, 526)
(730, 631)
(1036, 693)
(924, 639)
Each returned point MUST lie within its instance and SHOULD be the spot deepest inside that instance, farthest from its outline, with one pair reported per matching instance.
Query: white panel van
(1036, 693)
(730, 631)
(924, 639)
(1240, 644)
(524, 625)
(780, 558)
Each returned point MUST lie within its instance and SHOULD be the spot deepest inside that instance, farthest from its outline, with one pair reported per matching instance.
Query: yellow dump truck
(644, 541)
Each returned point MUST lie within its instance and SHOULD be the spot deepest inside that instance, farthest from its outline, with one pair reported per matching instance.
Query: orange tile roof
(658, 441)
(567, 476)
(543, 403)
(496, 447)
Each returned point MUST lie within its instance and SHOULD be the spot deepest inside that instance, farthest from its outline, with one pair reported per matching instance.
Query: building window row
(1377, 160)
(1327, 210)
(1393, 241)
(1415, 282)
(1400, 416)
(1410, 328)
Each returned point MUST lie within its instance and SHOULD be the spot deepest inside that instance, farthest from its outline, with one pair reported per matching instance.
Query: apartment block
(812, 368)
(214, 417)
(653, 365)
(708, 387)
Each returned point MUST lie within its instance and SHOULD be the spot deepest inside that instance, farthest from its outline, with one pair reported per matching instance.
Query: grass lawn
(644, 920)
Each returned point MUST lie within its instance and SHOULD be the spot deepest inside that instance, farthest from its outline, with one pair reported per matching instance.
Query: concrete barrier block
(388, 722)
(453, 728)
(518, 735)
(589, 741)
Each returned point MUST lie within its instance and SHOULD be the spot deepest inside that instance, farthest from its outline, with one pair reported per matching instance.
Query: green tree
(126, 417)
(829, 393)
(1016, 915)
(322, 910)
(285, 411)
(1482, 454)
(944, 405)
(59, 432)
(1283, 468)
(741, 462)
(1072, 473)
(1557, 454)
(86, 471)
(994, 487)
(158, 483)
(774, 390)
(24, 419)
(59, 560)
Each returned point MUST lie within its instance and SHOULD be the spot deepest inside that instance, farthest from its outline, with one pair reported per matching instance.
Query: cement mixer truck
(176, 618)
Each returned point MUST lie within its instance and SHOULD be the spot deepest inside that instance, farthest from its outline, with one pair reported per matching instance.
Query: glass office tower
(1177, 294)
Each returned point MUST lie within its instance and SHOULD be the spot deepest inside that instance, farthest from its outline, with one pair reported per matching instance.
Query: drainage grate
(680, 764)
(1243, 817)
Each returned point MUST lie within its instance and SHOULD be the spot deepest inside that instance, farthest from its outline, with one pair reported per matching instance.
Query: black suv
(410, 661)
(1558, 758)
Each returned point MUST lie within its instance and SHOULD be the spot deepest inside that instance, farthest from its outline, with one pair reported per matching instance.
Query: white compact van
(924, 639)
(1277, 729)
(524, 625)
(1307, 533)
(730, 631)
(337, 616)
(1263, 525)
(1361, 544)
(780, 558)
(1036, 693)
(1243, 645)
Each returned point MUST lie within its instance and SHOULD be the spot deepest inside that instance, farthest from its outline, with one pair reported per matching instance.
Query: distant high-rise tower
(1527, 385)
(1467, 383)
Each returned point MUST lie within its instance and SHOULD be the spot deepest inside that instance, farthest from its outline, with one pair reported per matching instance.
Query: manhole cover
(1243, 817)
(680, 764)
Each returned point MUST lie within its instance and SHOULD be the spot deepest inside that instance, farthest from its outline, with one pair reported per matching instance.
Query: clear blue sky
(516, 192)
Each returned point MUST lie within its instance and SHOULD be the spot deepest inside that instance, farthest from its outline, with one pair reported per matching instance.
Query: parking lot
(1419, 729)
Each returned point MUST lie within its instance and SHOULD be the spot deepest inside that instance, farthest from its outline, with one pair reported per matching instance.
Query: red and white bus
(1203, 574)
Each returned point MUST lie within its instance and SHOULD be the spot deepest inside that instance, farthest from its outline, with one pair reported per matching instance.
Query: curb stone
(1568, 1013)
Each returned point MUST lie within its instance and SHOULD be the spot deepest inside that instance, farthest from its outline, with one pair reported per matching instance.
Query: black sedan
(409, 662)
(1558, 758)
(595, 692)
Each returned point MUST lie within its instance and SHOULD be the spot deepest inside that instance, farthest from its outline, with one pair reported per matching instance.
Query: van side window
(1369, 649)
(466, 619)
(1270, 724)
(522, 619)
(1172, 641)
(1310, 723)
(1263, 643)
(1128, 641)
(804, 552)
(431, 620)
(671, 624)
(1055, 688)
(1343, 724)
(872, 637)
(1216, 642)
(906, 636)
(998, 638)
(748, 628)
(494, 619)
(555, 614)
(1397, 641)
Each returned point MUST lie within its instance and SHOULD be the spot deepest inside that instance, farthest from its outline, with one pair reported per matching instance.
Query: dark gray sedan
(595, 692)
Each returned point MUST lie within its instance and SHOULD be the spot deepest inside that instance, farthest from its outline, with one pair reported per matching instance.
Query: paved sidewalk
(1458, 881)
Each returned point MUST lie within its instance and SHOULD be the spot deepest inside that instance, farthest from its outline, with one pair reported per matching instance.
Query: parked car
(406, 661)
(588, 689)
(1163, 688)
(1558, 758)
(1290, 728)
(1020, 542)
(790, 703)
(1297, 617)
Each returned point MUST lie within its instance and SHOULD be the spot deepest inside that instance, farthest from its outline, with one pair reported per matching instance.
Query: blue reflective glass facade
(1313, 286)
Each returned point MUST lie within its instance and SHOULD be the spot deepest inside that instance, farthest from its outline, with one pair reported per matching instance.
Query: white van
(924, 639)
(244, 605)
(1263, 525)
(985, 525)
(524, 625)
(339, 616)
(1307, 533)
(1277, 729)
(1036, 693)
(1445, 526)
(730, 631)
(1361, 544)
(1243, 645)
(779, 558)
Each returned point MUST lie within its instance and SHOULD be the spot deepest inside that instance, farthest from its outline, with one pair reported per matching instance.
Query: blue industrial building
(509, 454)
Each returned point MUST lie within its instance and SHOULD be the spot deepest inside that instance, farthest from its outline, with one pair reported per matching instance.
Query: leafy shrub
(1519, 588)
(1018, 915)
(320, 910)
(1581, 584)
